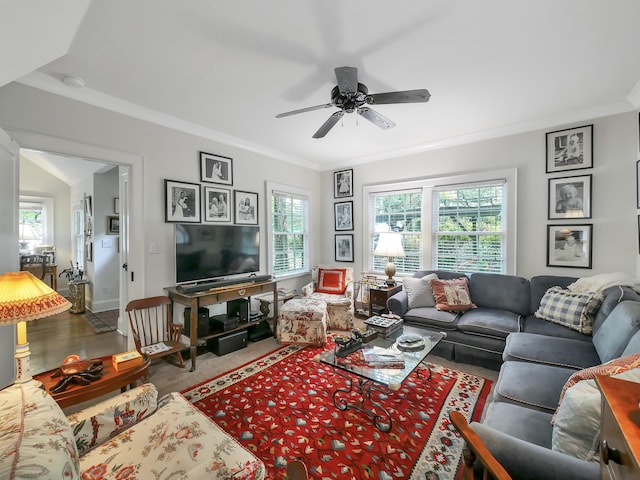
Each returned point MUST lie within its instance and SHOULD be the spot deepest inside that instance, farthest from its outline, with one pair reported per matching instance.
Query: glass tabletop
(391, 377)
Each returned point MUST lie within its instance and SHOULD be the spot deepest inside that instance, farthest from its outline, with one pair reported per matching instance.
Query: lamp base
(390, 271)
(23, 369)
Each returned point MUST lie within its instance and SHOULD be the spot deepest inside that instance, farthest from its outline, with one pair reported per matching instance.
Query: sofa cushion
(576, 430)
(98, 423)
(502, 292)
(531, 384)
(489, 322)
(573, 310)
(611, 339)
(179, 441)
(452, 295)
(541, 283)
(613, 367)
(612, 297)
(36, 439)
(332, 280)
(432, 317)
(561, 352)
(419, 291)
(533, 324)
(521, 422)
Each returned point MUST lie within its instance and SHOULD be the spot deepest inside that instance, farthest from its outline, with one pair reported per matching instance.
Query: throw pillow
(332, 280)
(419, 292)
(452, 295)
(612, 367)
(571, 309)
(576, 430)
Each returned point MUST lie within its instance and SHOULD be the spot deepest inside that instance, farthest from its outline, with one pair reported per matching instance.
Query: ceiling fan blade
(375, 118)
(406, 96)
(328, 125)
(303, 110)
(347, 79)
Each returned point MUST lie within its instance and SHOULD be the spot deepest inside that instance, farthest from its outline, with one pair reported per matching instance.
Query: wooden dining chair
(475, 449)
(36, 264)
(297, 470)
(154, 332)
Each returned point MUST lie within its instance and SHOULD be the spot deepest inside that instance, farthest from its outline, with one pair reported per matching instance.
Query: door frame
(135, 286)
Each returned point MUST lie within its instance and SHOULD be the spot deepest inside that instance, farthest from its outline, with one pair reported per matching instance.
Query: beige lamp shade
(389, 245)
(24, 297)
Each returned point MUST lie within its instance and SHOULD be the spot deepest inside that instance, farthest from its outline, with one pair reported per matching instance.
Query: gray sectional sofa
(536, 358)
(505, 304)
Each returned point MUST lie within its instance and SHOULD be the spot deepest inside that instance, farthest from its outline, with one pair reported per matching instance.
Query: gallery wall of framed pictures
(343, 214)
(189, 202)
(569, 197)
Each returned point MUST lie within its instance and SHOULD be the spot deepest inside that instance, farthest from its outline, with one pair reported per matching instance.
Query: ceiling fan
(352, 96)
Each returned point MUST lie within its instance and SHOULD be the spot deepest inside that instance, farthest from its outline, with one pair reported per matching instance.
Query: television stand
(217, 295)
(214, 284)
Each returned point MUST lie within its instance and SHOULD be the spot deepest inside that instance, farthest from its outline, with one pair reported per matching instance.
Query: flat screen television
(213, 252)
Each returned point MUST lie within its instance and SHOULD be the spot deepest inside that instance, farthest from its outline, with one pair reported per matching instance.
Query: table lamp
(24, 297)
(26, 234)
(389, 245)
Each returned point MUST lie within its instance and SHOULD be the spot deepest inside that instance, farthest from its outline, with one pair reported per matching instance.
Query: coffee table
(111, 380)
(362, 379)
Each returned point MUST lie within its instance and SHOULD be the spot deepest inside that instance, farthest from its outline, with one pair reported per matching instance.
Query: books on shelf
(378, 357)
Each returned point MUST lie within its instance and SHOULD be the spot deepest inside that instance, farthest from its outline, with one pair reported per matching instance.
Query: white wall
(167, 154)
(615, 229)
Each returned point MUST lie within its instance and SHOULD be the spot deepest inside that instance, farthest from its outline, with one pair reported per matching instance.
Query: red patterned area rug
(280, 406)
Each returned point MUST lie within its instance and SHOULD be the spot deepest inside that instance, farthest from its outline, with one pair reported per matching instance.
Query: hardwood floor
(53, 338)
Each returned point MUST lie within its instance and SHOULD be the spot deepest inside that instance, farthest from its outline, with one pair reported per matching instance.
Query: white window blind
(469, 230)
(290, 250)
(397, 211)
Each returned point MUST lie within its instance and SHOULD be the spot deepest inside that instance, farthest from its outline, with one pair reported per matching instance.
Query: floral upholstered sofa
(132, 435)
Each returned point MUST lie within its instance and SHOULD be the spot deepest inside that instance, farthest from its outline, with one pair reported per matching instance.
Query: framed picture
(246, 207)
(116, 205)
(570, 149)
(570, 197)
(217, 204)
(569, 246)
(113, 225)
(182, 202)
(638, 184)
(343, 183)
(88, 251)
(88, 205)
(216, 169)
(343, 215)
(344, 247)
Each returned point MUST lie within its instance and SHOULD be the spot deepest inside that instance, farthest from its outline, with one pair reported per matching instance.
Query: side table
(378, 297)
(110, 380)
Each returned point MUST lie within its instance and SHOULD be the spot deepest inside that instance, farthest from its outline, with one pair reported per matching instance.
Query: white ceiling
(223, 70)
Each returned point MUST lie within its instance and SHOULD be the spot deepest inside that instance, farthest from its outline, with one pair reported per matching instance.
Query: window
(35, 222)
(469, 233)
(289, 250)
(464, 223)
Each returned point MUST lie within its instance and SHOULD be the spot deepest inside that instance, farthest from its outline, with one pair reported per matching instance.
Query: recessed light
(73, 81)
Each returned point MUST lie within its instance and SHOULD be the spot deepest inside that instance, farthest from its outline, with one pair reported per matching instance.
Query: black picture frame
(343, 183)
(181, 202)
(344, 247)
(343, 215)
(245, 207)
(569, 149)
(570, 246)
(216, 169)
(569, 197)
(113, 225)
(638, 184)
(217, 204)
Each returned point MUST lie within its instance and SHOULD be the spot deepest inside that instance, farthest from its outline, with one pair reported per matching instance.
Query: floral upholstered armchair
(333, 285)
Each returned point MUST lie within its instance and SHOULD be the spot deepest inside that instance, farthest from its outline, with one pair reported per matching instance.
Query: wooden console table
(111, 380)
(216, 296)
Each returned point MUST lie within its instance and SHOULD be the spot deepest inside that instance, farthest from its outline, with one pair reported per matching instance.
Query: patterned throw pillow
(613, 367)
(452, 295)
(571, 309)
(332, 280)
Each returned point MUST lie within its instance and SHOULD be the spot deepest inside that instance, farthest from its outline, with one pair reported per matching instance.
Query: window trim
(49, 213)
(271, 188)
(428, 185)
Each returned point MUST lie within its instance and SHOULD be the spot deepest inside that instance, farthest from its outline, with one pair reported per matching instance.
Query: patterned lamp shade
(24, 297)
